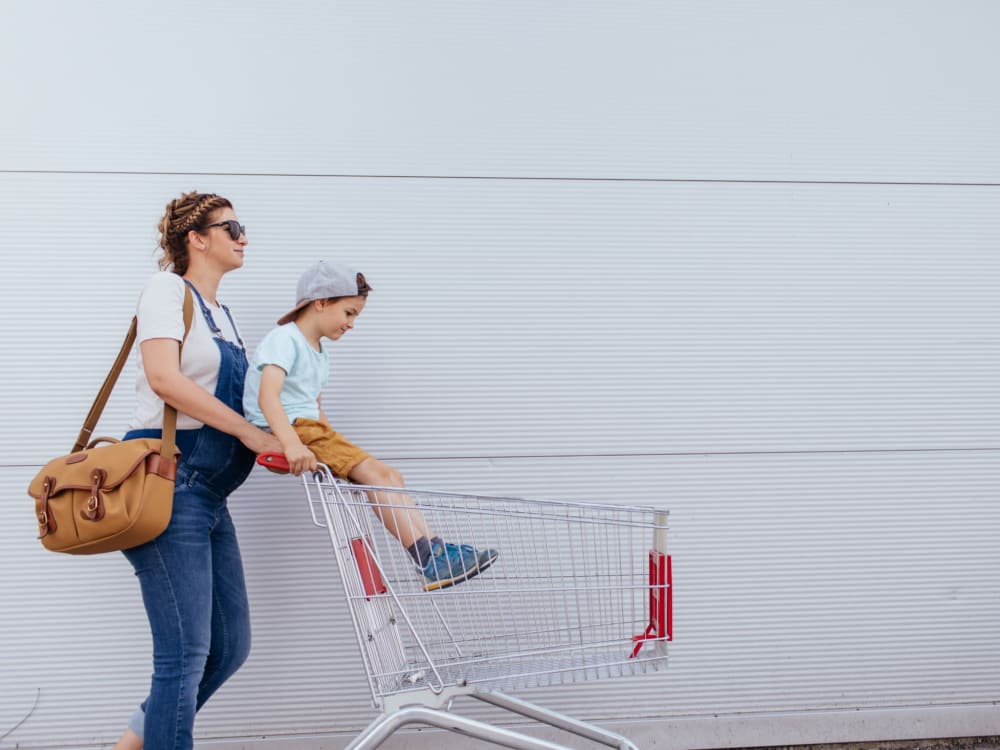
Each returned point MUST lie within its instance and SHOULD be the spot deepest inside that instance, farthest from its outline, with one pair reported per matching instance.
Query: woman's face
(216, 243)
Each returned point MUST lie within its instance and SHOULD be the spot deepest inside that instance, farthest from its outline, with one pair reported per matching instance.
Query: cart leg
(384, 726)
(552, 718)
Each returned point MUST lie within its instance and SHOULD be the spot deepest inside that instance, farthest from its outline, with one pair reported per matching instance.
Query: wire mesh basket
(577, 591)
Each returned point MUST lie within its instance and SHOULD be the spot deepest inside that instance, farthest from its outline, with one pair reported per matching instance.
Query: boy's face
(337, 318)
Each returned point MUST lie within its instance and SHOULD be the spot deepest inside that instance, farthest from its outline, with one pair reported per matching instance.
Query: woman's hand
(260, 441)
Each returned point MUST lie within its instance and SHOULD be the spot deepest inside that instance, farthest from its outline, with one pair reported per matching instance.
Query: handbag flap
(117, 462)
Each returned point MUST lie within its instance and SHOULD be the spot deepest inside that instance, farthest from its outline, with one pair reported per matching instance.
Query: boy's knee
(373, 471)
(389, 476)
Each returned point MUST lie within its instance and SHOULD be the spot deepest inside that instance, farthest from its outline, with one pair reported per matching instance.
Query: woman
(192, 575)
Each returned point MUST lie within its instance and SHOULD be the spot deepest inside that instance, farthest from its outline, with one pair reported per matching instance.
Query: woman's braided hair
(190, 211)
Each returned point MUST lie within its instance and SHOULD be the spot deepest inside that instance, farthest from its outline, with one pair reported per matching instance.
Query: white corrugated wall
(740, 260)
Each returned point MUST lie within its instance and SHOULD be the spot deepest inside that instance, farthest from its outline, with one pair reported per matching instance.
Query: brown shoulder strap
(167, 444)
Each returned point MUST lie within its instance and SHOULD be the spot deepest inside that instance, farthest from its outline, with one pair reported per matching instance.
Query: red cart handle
(274, 461)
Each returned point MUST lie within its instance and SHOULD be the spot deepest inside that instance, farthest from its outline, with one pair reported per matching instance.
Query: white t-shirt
(161, 316)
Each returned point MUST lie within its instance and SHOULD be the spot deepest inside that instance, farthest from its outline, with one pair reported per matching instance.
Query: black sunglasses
(234, 228)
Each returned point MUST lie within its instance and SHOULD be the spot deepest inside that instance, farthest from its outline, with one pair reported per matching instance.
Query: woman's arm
(299, 457)
(161, 361)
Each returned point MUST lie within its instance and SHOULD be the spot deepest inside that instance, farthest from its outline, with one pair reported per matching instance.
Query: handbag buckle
(46, 522)
(95, 505)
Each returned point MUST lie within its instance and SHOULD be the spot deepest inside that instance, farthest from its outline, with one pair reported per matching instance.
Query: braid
(189, 212)
(197, 211)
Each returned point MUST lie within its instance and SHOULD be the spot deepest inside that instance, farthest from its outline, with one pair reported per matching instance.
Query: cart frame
(418, 662)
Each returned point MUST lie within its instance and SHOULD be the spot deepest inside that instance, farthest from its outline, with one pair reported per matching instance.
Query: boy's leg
(405, 522)
(443, 564)
(396, 510)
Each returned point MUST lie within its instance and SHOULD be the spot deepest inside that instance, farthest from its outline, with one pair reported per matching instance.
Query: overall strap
(206, 313)
(168, 441)
(235, 329)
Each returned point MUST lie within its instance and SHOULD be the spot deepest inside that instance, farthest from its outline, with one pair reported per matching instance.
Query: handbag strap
(169, 435)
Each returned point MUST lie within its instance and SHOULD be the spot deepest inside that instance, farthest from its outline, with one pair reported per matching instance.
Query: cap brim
(289, 316)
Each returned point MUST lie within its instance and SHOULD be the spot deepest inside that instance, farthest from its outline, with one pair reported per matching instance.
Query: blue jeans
(192, 575)
(195, 596)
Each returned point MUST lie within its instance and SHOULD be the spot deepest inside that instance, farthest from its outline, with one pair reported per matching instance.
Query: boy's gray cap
(323, 280)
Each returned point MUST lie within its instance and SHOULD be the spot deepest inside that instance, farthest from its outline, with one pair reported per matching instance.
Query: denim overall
(191, 575)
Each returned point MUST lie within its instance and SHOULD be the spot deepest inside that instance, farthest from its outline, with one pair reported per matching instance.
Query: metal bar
(519, 500)
(386, 724)
(309, 502)
(555, 719)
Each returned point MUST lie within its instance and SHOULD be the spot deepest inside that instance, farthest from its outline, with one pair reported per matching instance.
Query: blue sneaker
(486, 558)
(453, 563)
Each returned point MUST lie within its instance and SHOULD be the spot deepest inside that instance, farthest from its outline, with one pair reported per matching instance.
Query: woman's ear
(195, 241)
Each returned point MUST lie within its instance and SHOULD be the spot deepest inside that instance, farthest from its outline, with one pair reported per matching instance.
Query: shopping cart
(579, 591)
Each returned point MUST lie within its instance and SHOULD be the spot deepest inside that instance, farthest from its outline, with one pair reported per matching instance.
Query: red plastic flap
(371, 578)
(661, 602)
(660, 598)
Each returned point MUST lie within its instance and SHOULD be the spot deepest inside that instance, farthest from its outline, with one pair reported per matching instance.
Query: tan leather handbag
(101, 498)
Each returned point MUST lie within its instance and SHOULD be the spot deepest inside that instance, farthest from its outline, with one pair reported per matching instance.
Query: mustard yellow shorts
(330, 447)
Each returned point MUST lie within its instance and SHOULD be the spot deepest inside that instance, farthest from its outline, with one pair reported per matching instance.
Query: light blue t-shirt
(306, 373)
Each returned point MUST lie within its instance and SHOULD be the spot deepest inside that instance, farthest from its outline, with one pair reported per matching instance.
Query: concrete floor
(953, 743)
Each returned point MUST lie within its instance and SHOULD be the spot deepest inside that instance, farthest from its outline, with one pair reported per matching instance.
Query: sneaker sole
(449, 582)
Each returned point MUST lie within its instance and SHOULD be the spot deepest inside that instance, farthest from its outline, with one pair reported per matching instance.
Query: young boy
(283, 389)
